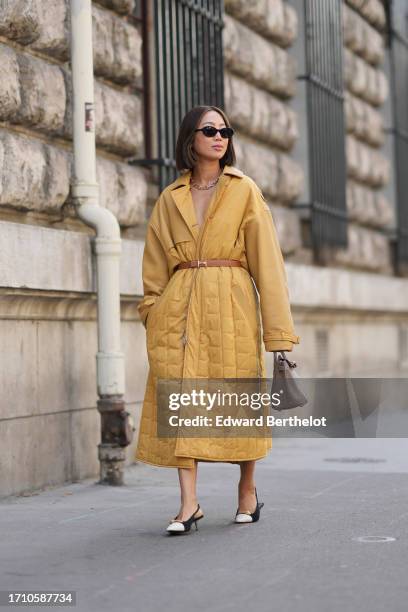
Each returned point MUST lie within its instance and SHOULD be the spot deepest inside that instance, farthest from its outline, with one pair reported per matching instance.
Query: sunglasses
(210, 131)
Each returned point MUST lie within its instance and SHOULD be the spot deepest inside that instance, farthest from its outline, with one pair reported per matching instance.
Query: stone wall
(260, 78)
(368, 169)
(49, 423)
(35, 111)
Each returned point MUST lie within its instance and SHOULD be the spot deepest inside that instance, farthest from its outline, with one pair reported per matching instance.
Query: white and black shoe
(247, 516)
(178, 527)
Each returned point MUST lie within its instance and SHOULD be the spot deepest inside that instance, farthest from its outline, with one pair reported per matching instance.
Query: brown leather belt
(204, 263)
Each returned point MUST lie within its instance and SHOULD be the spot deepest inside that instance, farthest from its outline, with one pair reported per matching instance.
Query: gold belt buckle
(203, 262)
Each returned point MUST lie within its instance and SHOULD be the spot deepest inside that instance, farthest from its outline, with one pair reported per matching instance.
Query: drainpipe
(116, 426)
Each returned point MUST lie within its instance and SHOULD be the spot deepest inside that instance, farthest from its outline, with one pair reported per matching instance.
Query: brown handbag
(284, 384)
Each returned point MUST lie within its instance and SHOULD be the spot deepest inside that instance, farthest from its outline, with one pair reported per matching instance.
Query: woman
(202, 316)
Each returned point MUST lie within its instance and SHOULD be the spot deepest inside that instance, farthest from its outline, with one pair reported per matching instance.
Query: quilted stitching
(216, 307)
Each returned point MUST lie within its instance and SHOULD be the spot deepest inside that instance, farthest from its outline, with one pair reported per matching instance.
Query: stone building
(350, 301)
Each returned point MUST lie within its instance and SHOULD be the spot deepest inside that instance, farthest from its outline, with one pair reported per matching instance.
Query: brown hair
(185, 156)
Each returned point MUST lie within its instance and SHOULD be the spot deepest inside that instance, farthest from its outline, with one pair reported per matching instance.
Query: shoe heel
(259, 505)
(197, 519)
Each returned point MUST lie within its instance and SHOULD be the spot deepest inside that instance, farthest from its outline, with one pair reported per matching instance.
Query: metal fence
(398, 42)
(326, 122)
(189, 70)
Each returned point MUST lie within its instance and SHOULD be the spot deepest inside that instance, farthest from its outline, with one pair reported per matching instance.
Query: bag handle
(282, 357)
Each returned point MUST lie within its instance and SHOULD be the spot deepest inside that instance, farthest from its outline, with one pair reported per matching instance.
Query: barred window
(325, 100)
(319, 104)
(187, 70)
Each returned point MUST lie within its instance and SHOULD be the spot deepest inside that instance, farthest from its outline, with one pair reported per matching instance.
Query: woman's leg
(246, 487)
(188, 494)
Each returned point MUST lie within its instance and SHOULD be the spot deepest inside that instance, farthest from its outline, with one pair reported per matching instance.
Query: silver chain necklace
(208, 186)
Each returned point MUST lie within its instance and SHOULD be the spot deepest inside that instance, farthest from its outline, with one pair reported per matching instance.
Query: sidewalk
(110, 545)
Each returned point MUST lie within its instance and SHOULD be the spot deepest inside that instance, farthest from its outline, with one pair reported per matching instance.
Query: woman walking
(210, 233)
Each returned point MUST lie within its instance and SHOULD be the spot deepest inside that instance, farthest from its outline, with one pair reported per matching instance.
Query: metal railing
(189, 70)
(326, 122)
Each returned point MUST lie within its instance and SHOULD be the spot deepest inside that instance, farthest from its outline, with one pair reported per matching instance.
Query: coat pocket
(182, 248)
(157, 307)
(181, 243)
(178, 236)
(244, 302)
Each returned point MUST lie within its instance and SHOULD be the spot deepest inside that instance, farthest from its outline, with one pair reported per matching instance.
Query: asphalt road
(333, 536)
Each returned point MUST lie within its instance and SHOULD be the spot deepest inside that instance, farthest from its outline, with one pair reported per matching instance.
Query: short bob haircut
(186, 158)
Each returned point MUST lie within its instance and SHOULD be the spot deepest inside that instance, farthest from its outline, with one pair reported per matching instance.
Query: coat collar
(181, 194)
(184, 179)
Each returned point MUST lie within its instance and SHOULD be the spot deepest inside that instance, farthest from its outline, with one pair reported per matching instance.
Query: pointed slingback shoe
(249, 517)
(177, 527)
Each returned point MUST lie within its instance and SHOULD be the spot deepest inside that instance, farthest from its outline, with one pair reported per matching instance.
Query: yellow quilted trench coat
(206, 322)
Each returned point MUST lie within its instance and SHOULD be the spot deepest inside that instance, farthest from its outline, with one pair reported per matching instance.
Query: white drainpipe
(107, 244)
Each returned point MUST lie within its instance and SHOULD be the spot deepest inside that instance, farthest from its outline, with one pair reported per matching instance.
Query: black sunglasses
(210, 131)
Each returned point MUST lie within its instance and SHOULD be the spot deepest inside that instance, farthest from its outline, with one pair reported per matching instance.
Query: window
(187, 70)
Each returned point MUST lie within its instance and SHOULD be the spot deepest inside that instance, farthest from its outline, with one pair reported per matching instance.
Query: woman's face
(214, 147)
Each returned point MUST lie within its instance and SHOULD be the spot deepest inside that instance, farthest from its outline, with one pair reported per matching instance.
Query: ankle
(245, 489)
(187, 503)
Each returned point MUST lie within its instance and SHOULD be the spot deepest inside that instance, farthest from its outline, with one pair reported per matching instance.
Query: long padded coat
(206, 322)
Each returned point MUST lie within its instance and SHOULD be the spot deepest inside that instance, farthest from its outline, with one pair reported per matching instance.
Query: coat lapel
(181, 194)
